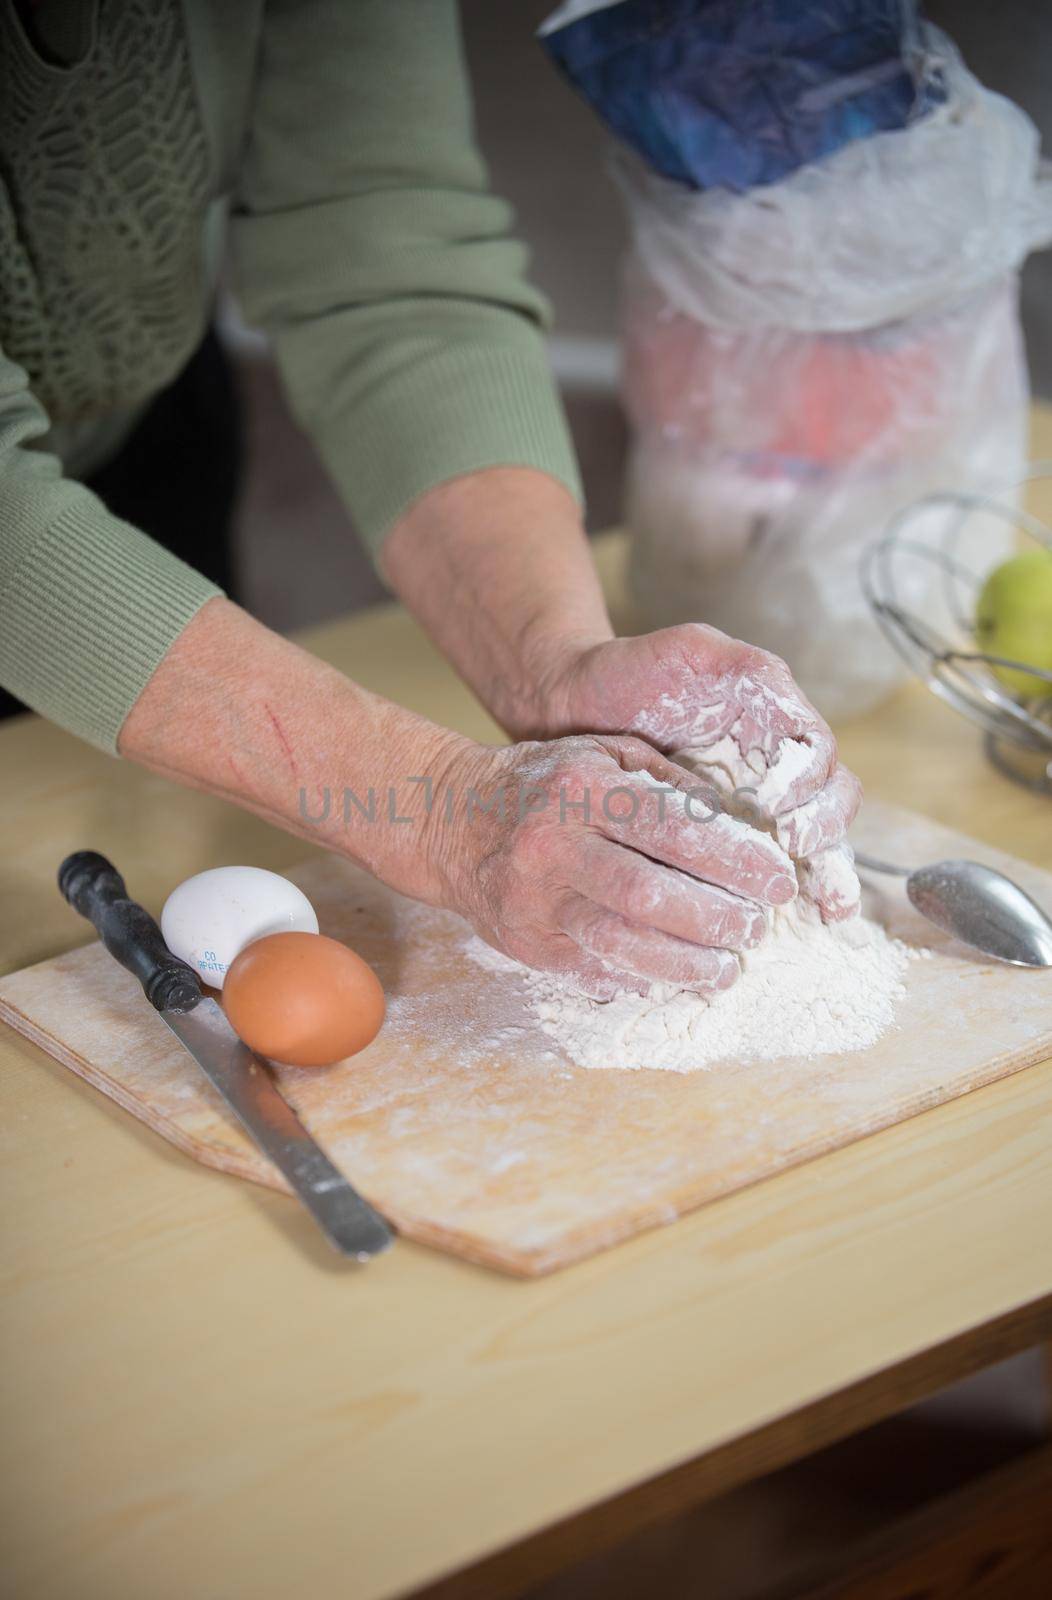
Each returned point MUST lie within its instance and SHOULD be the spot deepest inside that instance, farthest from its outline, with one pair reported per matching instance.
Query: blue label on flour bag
(739, 93)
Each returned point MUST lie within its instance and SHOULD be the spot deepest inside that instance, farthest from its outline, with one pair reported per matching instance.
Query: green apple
(1014, 619)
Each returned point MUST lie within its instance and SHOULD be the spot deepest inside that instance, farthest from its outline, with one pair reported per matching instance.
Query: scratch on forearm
(236, 770)
(279, 730)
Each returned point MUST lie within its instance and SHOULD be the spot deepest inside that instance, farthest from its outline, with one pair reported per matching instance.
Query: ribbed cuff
(88, 614)
(459, 409)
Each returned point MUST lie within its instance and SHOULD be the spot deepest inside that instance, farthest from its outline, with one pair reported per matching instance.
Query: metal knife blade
(244, 1081)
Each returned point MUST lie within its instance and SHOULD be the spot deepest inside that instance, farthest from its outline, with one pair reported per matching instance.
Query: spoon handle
(873, 865)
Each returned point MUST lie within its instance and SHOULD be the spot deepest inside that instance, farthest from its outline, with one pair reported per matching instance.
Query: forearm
(496, 566)
(241, 713)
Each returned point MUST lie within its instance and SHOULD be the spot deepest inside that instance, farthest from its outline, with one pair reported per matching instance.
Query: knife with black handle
(95, 888)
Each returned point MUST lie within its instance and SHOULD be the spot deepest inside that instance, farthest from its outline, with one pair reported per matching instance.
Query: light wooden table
(200, 1401)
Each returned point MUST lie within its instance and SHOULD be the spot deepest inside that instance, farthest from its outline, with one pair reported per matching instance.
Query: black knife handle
(95, 888)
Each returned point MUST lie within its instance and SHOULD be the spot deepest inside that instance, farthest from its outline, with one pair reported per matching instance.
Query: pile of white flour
(806, 990)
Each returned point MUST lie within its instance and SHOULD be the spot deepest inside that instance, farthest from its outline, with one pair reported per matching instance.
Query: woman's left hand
(734, 714)
(497, 567)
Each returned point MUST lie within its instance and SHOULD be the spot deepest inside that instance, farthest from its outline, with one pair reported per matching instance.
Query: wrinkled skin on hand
(733, 713)
(595, 866)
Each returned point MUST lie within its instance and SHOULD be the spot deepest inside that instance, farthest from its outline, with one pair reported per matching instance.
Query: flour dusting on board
(807, 990)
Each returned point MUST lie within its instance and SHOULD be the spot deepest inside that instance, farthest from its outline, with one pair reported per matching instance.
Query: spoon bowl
(979, 906)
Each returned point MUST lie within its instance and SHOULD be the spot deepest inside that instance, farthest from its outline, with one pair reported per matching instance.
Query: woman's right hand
(597, 858)
(605, 862)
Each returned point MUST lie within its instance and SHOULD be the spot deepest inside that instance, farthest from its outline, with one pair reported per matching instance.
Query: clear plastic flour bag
(802, 360)
(804, 356)
(763, 463)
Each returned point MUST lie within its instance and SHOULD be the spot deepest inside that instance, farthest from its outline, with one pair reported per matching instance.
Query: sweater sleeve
(367, 244)
(88, 604)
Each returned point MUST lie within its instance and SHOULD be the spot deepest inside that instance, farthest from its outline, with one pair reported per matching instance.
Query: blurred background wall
(298, 559)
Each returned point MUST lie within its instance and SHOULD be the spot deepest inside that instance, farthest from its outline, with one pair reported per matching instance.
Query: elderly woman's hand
(734, 714)
(600, 859)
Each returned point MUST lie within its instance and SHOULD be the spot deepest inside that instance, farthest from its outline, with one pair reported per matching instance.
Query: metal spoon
(981, 907)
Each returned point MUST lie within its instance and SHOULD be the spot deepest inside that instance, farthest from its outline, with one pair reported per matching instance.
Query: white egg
(214, 915)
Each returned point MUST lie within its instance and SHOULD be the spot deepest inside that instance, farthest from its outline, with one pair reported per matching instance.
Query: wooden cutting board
(465, 1129)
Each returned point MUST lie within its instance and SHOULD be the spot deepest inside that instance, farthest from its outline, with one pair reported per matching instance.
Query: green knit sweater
(332, 139)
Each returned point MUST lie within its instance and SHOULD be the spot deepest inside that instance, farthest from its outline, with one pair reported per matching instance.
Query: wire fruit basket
(923, 595)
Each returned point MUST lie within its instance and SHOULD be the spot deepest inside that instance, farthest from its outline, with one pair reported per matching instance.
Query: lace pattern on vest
(105, 183)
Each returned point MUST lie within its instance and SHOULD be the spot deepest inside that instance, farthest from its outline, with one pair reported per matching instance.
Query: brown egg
(303, 999)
